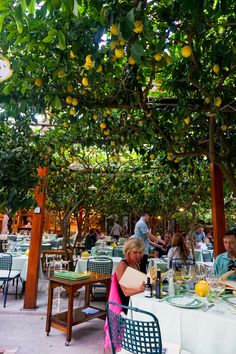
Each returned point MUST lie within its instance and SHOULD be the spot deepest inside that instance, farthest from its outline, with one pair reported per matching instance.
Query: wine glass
(217, 287)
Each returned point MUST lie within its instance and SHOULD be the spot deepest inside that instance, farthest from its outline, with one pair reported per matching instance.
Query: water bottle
(158, 285)
(171, 290)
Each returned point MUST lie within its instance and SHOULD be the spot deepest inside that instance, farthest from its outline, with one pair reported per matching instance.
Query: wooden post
(31, 289)
(217, 205)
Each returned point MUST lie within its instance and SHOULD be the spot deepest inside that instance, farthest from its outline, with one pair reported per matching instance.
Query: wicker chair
(7, 275)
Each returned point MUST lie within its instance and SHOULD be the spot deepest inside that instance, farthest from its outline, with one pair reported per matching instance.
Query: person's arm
(151, 237)
(127, 292)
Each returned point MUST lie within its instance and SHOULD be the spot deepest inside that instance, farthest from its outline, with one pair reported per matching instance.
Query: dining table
(197, 330)
(20, 263)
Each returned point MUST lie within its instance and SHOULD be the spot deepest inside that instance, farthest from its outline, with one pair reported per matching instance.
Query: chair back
(178, 263)
(140, 335)
(118, 252)
(102, 265)
(206, 256)
(5, 265)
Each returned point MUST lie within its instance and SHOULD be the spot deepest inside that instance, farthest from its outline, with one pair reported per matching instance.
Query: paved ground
(25, 329)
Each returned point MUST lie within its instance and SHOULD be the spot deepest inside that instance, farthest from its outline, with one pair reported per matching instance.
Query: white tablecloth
(21, 263)
(81, 265)
(194, 330)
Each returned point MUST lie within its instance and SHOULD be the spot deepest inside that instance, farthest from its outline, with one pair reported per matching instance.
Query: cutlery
(208, 307)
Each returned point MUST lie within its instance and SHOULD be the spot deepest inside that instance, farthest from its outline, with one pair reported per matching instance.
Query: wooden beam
(31, 289)
(217, 205)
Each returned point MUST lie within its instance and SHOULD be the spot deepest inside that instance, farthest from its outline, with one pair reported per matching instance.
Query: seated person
(163, 246)
(227, 261)
(179, 252)
(133, 251)
(90, 239)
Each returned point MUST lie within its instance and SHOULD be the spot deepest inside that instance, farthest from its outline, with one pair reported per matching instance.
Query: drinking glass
(217, 287)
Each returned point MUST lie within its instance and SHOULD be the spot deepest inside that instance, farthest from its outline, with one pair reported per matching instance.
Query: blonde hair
(134, 244)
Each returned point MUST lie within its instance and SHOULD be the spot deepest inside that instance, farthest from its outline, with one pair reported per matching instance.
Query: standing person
(199, 234)
(227, 261)
(142, 231)
(116, 231)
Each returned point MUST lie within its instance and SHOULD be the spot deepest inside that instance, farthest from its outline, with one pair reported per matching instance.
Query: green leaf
(19, 24)
(31, 4)
(2, 18)
(62, 41)
(56, 103)
(51, 35)
(3, 5)
(127, 25)
(23, 5)
(137, 51)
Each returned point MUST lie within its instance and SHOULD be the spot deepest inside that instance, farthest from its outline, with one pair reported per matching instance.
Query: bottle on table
(148, 288)
(158, 285)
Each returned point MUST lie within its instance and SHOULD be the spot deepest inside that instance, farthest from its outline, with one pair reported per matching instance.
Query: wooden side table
(64, 321)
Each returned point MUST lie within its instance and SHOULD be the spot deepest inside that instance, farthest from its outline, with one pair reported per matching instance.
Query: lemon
(216, 69)
(113, 245)
(168, 59)
(95, 116)
(207, 100)
(61, 74)
(38, 82)
(88, 59)
(182, 149)
(121, 41)
(103, 125)
(112, 143)
(75, 101)
(88, 66)
(72, 111)
(152, 157)
(218, 101)
(69, 100)
(169, 156)
(131, 60)
(99, 69)
(27, 253)
(138, 26)
(187, 120)
(65, 124)
(113, 44)
(69, 88)
(119, 53)
(186, 51)
(85, 81)
(72, 54)
(108, 111)
(202, 288)
(107, 132)
(224, 128)
(85, 254)
(114, 30)
(158, 56)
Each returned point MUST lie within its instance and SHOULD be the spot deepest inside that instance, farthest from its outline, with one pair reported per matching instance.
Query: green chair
(118, 252)
(135, 336)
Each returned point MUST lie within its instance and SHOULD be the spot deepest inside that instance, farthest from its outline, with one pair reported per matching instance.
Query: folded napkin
(183, 301)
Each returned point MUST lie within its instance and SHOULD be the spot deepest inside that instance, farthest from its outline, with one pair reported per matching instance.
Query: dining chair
(7, 275)
(178, 263)
(118, 252)
(206, 256)
(138, 332)
(102, 265)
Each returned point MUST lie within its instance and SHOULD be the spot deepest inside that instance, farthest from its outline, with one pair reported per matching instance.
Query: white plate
(184, 301)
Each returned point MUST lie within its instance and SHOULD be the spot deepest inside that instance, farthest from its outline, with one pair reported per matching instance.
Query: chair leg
(6, 293)
(17, 279)
(23, 288)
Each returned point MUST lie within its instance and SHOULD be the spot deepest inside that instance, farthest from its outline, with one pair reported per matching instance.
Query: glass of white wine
(217, 287)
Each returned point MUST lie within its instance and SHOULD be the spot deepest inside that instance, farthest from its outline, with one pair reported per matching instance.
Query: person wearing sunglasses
(227, 261)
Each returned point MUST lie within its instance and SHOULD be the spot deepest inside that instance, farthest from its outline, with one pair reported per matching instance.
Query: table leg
(49, 311)
(87, 295)
(69, 315)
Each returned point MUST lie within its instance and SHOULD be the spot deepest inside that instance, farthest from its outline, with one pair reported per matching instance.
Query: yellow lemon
(168, 59)
(99, 69)
(88, 66)
(72, 54)
(152, 157)
(69, 100)
(89, 59)
(103, 125)
(112, 143)
(75, 101)
(85, 254)
(158, 56)
(202, 288)
(72, 111)
(114, 30)
(169, 156)
(186, 51)
(218, 101)
(121, 41)
(131, 60)
(95, 116)
(61, 74)
(108, 111)
(187, 120)
(65, 124)
(107, 132)
(207, 100)
(113, 44)
(138, 26)
(69, 88)
(85, 81)
(27, 253)
(224, 128)
(113, 245)
(38, 82)
(216, 69)
(119, 53)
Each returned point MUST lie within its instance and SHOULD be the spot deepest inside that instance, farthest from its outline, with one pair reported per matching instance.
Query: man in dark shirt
(163, 246)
